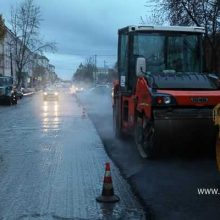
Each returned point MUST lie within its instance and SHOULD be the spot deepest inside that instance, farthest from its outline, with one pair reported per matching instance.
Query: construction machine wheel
(144, 137)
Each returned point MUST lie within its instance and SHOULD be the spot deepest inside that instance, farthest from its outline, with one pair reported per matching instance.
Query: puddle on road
(50, 116)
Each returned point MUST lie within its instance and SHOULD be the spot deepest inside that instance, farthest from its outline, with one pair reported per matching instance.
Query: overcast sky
(83, 28)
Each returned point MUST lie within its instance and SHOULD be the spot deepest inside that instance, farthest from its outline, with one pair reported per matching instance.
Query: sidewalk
(88, 160)
(57, 170)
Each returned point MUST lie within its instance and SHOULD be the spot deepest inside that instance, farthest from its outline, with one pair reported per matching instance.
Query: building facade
(7, 63)
(43, 71)
(37, 69)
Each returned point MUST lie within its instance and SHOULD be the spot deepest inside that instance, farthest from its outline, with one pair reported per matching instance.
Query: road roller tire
(145, 138)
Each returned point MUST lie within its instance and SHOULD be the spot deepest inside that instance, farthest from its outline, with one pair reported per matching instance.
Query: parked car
(7, 93)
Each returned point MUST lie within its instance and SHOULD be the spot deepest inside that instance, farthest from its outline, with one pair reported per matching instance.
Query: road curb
(28, 94)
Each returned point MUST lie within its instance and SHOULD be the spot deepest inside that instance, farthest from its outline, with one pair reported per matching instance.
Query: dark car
(7, 93)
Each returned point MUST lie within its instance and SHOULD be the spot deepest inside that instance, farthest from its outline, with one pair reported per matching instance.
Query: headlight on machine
(167, 100)
(163, 100)
(56, 93)
(45, 93)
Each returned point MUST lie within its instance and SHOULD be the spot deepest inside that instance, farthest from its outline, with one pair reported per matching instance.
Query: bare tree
(85, 71)
(204, 13)
(25, 25)
(154, 15)
(2, 28)
(90, 67)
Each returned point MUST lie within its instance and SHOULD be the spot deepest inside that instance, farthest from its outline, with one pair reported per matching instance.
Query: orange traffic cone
(107, 190)
(83, 113)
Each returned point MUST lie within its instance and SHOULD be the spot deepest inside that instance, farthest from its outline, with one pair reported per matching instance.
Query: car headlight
(45, 93)
(56, 93)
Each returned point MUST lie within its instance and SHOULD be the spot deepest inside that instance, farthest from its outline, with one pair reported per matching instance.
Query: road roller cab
(162, 93)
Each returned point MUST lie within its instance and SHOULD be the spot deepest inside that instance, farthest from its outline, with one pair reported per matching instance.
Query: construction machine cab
(157, 50)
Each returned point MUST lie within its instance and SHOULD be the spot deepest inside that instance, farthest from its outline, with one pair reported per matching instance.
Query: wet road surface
(168, 186)
(52, 164)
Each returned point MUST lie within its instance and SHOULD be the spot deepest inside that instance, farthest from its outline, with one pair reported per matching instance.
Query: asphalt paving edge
(148, 211)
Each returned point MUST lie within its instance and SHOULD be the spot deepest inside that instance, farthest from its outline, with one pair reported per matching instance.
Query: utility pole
(105, 64)
(106, 70)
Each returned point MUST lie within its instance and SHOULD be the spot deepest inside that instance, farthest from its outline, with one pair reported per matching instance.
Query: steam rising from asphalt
(99, 108)
(98, 103)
